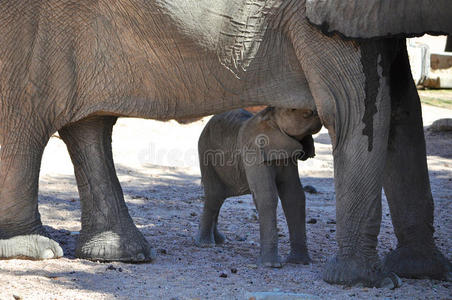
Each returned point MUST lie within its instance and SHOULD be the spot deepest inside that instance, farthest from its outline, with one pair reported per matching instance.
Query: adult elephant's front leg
(108, 232)
(407, 185)
(21, 230)
(351, 92)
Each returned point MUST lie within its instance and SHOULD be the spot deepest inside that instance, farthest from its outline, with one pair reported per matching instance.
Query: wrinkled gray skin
(244, 154)
(75, 66)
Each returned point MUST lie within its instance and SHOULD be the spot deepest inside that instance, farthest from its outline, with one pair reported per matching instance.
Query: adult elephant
(75, 66)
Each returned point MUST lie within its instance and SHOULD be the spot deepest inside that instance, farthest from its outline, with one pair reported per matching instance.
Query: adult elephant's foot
(419, 262)
(124, 245)
(355, 271)
(32, 246)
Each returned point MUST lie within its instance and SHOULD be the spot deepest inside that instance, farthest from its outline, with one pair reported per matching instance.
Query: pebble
(310, 189)
(312, 221)
(279, 296)
(233, 270)
(223, 275)
(441, 125)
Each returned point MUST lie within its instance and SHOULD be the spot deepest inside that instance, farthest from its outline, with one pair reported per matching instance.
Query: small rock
(332, 230)
(280, 296)
(111, 267)
(233, 270)
(252, 266)
(193, 214)
(312, 221)
(223, 275)
(163, 251)
(310, 189)
(240, 238)
(331, 222)
(119, 269)
(441, 125)
(17, 297)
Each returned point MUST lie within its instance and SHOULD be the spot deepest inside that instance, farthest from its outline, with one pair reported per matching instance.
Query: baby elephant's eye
(308, 114)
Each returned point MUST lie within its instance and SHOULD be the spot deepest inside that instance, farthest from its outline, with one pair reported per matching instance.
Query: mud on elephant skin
(74, 67)
(240, 154)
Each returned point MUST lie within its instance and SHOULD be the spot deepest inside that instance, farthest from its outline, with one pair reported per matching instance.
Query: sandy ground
(157, 166)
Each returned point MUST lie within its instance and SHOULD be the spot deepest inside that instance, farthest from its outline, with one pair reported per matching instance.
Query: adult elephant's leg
(407, 185)
(348, 82)
(21, 231)
(108, 232)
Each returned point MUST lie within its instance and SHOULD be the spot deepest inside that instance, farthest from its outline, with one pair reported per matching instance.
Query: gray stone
(441, 125)
(279, 296)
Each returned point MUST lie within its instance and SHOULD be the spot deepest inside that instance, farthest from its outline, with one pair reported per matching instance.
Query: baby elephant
(240, 154)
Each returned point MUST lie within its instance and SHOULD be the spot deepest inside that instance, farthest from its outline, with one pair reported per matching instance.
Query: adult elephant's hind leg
(21, 231)
(348, 82)
(407, 185)
(108, 232)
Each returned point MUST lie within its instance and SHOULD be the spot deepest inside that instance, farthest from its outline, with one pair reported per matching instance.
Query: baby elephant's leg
(293, 202)
(208, 234)
(262, 185)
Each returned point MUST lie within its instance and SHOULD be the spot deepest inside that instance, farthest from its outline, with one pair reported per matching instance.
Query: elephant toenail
(391, 282)
(48, 253)
(152, 254)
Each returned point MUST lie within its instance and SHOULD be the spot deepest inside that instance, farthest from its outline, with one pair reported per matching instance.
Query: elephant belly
(234, 178)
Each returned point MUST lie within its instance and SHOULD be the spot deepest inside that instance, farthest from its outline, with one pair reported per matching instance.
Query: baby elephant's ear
(273, 144)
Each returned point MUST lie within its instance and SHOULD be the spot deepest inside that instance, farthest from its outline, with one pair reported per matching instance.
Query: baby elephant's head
(297, 123)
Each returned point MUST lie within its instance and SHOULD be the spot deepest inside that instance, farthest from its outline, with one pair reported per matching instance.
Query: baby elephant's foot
(269, 256)
(419, 261)
(351, 271)
(298, 257)
(111, 246)
(31, 246)
(207, 240)
(204, 241)
(271, 262)
(219, 237)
